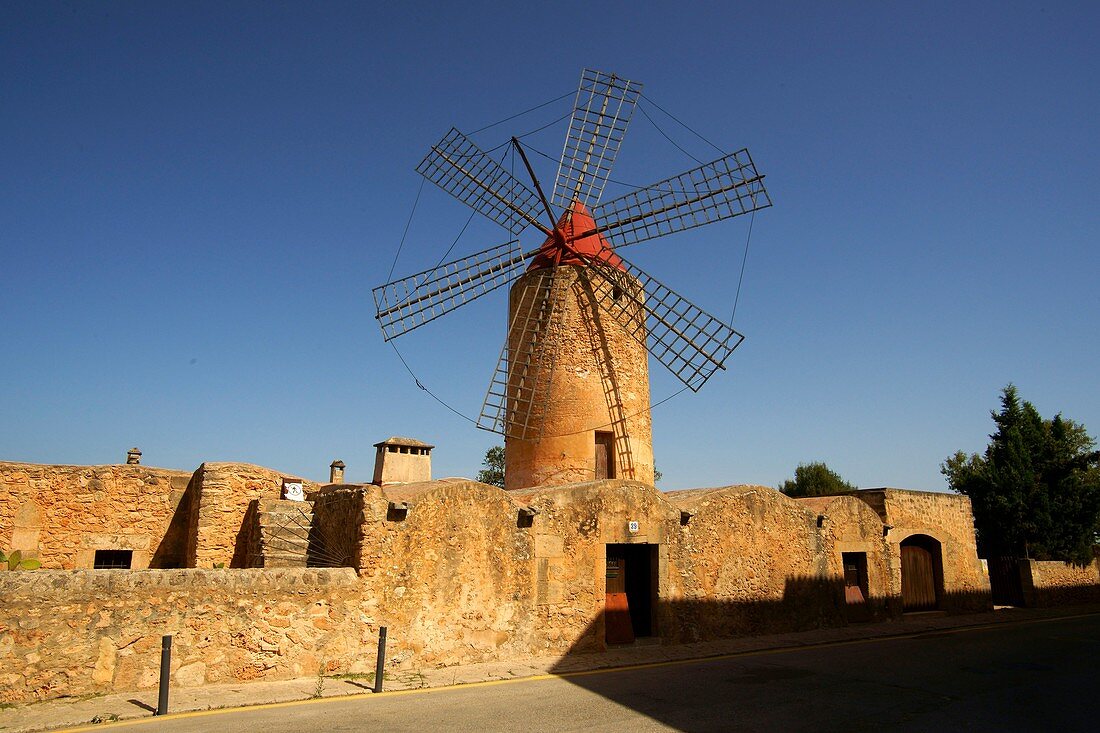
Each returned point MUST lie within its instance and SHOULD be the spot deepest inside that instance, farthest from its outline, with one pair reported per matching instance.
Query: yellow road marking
(563, 675)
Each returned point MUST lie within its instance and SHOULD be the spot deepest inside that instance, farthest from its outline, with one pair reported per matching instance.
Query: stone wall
(570, 533)
(451, 573)
(336, 539)
(849, 525)
(63, 514)
(1051, 582)
(219, 534)
(73, 633)
(460, 572)
(949, 520)
(752, 560)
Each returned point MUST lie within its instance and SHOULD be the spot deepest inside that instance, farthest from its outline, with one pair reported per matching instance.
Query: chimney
(402, 460)
(133, 457)
(336, 472)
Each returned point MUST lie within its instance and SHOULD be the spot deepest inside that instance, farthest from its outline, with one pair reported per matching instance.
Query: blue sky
(196, 199)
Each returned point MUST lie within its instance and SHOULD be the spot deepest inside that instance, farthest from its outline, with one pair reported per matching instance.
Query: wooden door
(605, 455)
(918, 580)
(618, 628)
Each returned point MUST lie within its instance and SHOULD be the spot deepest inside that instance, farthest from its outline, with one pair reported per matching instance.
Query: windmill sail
(691, 343)
(724, 188)
(460, 168)
(408, 303)
(601, 115)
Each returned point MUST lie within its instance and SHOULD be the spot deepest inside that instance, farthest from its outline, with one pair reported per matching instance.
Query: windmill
(570, 391)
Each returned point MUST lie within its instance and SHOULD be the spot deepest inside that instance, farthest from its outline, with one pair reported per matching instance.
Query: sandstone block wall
(571, 532)
(452, 574)
(63, 514)
(218, 531)
(335, 538)
(947, 518)
(82, 632)
(460, 572)
(850, 525)
(1051, 582)
(752, 561)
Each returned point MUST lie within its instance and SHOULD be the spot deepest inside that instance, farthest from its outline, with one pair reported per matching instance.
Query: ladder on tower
(516, 401)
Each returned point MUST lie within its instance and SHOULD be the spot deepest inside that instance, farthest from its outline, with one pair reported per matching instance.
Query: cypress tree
(1036, 490)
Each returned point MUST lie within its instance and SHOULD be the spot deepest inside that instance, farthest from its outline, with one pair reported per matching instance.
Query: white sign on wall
(293, 490)
(632, 527)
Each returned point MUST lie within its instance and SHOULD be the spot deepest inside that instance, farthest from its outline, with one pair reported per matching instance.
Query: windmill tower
(570, 392)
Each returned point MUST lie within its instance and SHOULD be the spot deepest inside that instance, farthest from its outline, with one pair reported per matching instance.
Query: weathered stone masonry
(459, 571)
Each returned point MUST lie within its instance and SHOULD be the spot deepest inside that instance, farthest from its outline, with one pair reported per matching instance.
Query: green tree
(493, 473)
(815, 479)
(1036, 489)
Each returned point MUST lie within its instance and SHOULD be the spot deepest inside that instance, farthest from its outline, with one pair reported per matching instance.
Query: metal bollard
(165, 673)
(380, 666)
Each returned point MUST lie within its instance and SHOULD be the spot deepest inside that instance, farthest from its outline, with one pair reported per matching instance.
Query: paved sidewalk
(131, 705)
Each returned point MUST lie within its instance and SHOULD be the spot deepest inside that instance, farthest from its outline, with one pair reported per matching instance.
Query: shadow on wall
(171, 552)
(1018, 581)
(1064, 595)
(807, 603)
(246, 549)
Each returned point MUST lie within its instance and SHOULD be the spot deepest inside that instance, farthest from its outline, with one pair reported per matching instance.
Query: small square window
(113, 559)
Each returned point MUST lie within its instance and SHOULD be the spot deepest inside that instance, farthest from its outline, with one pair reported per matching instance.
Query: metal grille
(292, 538)
(601, 115)
(690, 342)
(112, 559)
(461, 169)
(515, 404)
(408, 303)
(724, 188)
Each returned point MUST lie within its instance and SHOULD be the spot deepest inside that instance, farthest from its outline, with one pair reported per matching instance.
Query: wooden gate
(1004, 581)
(918, 579)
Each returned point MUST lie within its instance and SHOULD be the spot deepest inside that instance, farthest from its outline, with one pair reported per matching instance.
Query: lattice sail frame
(724, 188)
(691, 343)
(462, 169)
(688, 341)
(408, 303)
(601, 116)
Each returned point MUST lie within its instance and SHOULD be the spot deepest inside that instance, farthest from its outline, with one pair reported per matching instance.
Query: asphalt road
(1038, 676)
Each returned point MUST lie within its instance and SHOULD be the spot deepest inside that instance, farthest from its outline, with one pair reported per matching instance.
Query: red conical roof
(573, 222)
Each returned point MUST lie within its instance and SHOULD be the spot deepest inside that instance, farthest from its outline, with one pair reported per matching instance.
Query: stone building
(253, 585)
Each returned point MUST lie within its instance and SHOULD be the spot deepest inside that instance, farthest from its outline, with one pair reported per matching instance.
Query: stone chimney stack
(133, 457)
(402, 460)
(336, 472)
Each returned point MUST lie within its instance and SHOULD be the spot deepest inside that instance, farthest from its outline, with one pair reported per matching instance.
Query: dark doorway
(631, 592)
(921, 573)
(855, 585)
(605, 455)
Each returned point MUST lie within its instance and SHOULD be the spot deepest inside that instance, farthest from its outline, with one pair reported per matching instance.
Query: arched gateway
(921, 573)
